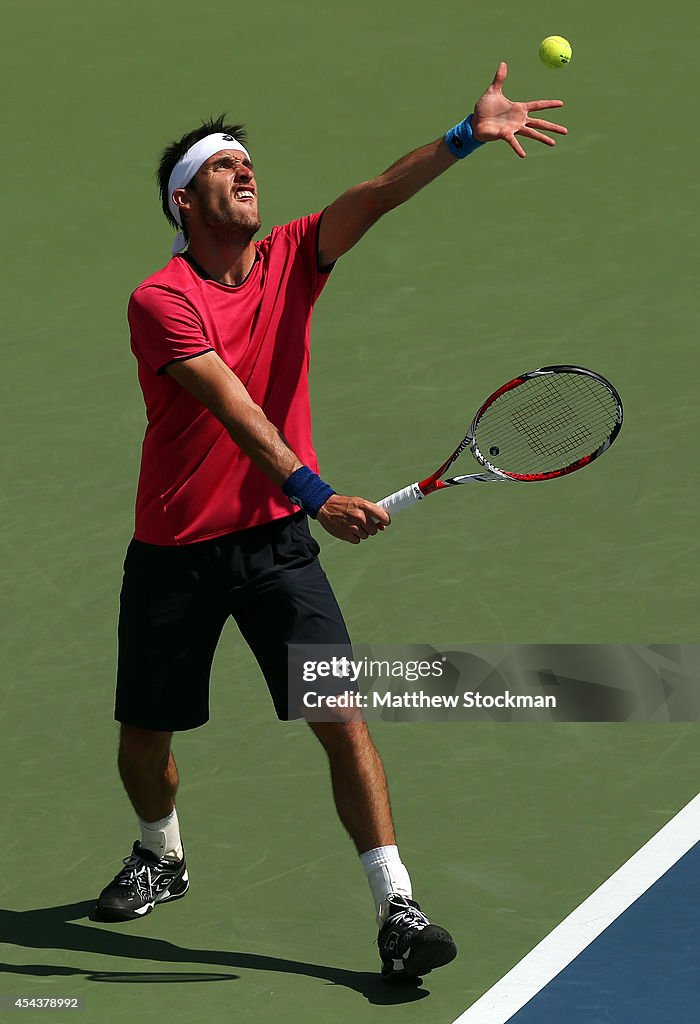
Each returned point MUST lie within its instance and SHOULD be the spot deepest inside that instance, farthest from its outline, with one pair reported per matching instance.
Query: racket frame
(421, 488)
(470, 438)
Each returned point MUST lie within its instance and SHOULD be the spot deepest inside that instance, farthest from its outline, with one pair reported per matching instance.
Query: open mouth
(242, 194)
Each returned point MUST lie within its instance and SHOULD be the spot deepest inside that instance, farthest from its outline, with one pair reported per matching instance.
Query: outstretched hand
(497, 117)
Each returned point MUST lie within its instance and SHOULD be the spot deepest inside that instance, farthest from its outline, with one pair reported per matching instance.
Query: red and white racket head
(546, 423)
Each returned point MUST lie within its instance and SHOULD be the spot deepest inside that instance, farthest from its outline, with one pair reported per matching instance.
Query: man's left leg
(409, 944)
(291, 602)
(359, 783)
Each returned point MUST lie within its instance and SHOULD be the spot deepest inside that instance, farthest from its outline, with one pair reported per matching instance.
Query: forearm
(408, 175)
(217, 387)
(263, 443)
(208, 379)
(354, 212)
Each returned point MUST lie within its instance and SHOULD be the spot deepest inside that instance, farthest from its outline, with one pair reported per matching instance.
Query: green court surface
(581, 254)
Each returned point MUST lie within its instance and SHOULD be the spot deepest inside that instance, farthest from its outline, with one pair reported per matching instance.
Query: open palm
(497, 117)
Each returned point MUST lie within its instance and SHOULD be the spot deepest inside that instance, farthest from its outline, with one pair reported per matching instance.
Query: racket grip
(401, 499)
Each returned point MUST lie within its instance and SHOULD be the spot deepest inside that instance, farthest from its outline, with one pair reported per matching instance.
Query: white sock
(162, 837)
(385, 873)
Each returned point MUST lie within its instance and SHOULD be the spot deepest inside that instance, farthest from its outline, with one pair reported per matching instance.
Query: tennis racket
(539, 426)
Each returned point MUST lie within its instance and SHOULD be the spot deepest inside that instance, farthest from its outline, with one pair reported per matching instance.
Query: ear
(182, 199)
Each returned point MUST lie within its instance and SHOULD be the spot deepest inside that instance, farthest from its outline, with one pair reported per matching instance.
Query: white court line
(586, 923)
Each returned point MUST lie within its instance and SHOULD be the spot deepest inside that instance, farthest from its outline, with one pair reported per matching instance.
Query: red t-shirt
(195, 482)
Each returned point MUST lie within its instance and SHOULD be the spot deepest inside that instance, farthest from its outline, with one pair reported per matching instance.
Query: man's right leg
(149, 773)
(148, 770)
(156, 871)
(170, 620)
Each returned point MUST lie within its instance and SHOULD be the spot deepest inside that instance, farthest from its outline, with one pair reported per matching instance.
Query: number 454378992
(45, 1003)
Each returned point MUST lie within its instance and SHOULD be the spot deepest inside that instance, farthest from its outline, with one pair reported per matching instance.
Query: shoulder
(176, 275)
(297, 243)
(172, 284)
(301, 227)
(293, 233)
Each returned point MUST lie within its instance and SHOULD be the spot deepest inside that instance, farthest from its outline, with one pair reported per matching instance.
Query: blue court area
(643, 969)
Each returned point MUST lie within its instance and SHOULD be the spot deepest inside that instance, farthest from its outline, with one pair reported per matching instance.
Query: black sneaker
(409, 945)
(143, 881)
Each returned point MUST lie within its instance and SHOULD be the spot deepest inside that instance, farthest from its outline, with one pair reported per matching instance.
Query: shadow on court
(57, 928)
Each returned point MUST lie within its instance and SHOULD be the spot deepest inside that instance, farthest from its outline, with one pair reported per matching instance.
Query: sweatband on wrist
(307, 490)
(460, 139)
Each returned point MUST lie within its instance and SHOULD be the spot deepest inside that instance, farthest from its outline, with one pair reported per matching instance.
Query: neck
(227, 262)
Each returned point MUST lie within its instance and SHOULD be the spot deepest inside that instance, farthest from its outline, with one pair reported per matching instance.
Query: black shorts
(174, 603)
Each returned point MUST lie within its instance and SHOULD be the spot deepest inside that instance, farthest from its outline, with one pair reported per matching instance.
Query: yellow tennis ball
(555, 51)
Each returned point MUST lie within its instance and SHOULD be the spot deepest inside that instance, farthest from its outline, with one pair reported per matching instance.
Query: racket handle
(401, 499)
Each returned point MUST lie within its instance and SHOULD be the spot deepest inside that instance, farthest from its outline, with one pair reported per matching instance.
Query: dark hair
(177, 149)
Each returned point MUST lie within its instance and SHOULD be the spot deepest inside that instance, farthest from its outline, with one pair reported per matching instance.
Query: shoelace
(410, 917)
(134, 870)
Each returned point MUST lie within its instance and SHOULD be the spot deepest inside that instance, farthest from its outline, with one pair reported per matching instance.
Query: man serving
(228, 478)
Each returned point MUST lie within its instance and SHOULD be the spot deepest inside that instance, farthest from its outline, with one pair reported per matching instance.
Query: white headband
(188, 165)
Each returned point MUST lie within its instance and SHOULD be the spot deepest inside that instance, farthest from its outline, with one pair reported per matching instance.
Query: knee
(143, 746)
(339, 736)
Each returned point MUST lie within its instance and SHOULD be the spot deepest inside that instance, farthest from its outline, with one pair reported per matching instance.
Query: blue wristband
(307, 490)
(460, 139)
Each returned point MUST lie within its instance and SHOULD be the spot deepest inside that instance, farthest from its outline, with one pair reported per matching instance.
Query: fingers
(363, 530)
(544, 104)
(537, 122)
(376, 513)
(352, 519)
(369, 519)
(530, 133)
(500, 76)
(514, 144)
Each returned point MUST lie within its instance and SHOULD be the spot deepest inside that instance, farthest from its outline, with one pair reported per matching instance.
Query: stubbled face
(225, 196)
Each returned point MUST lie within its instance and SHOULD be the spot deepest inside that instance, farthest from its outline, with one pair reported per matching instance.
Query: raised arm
(494, 117)
(218, 388)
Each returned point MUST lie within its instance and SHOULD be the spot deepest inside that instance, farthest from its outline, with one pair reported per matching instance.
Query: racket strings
(547, 423)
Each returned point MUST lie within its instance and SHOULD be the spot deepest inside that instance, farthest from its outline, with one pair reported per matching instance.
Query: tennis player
(228, 478)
